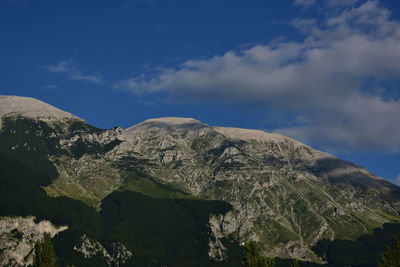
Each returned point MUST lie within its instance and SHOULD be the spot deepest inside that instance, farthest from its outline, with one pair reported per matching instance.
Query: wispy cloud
(73, 72)
(303, 25)
(333, 3)
(329, 3)
(50, 87)
(304, 2)
(335, 82)
(397, 180)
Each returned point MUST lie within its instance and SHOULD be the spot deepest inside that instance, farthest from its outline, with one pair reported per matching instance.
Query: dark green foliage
(295, 263)
(44, 253)
(365, 251)
(253, 258)
(17, 234)
(391, 257)
(279, 262)
(151, 187)
(21, 195)
(163, 232)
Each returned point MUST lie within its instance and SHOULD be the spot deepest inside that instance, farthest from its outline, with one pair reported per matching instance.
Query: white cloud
(334, 80)
(71, 70)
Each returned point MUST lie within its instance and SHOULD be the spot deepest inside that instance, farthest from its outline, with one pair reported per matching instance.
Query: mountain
(173, 191)
(31, 108)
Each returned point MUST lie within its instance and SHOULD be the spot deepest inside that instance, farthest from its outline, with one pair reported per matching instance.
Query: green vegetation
(156, 230)
(391, 257)
(153, 188)
(44, 253)
(253, 258)
(169, 231)
(364, 251)
(295, 263)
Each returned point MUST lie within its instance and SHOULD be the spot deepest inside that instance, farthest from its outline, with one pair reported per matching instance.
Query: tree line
(252, 256)
(45, 255)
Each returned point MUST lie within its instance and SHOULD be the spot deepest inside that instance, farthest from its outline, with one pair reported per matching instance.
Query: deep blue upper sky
(325, 72)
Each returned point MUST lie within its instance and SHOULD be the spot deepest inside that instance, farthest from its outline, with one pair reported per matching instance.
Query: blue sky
(326, 72)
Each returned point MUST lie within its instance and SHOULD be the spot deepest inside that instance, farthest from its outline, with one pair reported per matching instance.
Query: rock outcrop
(90, 248)
(18, 236)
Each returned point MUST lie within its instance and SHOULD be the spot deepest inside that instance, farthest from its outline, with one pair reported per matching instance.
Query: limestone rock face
(90, 248)
(18, 236)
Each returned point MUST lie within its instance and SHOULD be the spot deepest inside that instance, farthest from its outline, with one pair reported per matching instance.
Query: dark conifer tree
(252, 257)
(391, 257)
(44, 253)
(295, 263)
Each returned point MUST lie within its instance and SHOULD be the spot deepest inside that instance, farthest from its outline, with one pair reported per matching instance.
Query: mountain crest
(31, 108)
(172, 120)
(250, 134)
(166, 123)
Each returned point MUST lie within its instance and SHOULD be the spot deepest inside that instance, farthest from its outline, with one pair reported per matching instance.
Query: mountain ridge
(31, 108)
(282, 193)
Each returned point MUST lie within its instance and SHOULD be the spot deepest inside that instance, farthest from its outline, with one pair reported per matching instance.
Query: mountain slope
(32, 153)
(285, 194)
(223, 186)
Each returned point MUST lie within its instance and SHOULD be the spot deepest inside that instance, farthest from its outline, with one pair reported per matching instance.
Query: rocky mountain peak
(250, 134)
(235, 134)
(173, 120)
(166, 124)
(31, 108)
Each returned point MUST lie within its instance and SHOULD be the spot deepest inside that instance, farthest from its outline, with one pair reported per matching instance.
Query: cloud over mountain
(73, 72)
(339, 81)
